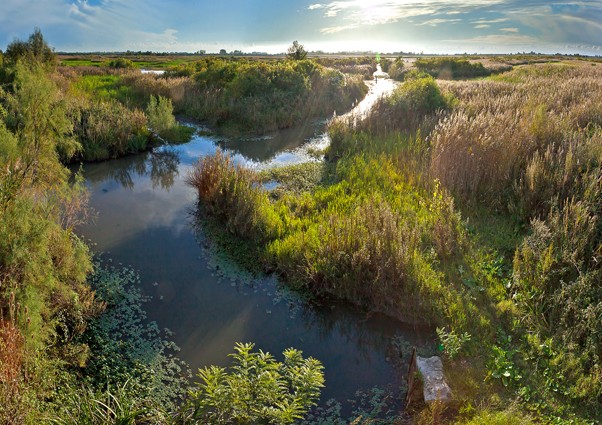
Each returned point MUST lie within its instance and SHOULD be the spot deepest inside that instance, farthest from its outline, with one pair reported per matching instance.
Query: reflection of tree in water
(161, 166)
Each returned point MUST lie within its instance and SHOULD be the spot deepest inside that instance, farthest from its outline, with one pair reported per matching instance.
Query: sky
(429, 26)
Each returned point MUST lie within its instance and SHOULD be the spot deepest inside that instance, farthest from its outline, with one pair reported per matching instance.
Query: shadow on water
(209, 303)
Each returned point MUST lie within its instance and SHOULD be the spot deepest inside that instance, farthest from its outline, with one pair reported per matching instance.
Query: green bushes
(411, 108)
(44, 301)
(258, 389)
(369, 237)
(231, 193)
(161, 120)
(121, 63)
(259, 96)
(396, 70)
(556, 287)
(448, 68)
(35, 49)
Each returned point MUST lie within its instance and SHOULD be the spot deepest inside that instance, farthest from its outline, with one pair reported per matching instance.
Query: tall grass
(232, 193)
(499, 131)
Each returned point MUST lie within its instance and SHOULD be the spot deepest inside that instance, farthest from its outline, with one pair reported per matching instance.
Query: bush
(447, 68)
(231, 192)
(396, 70)
(507, 417)
(257, 389)
(121, 63)
(160, 114)
(411, 108)
(259, 96)
(34, 49)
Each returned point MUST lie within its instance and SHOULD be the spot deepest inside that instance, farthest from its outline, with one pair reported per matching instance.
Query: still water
(145, 220)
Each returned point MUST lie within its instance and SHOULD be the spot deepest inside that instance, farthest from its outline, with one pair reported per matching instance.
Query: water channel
(145, 221)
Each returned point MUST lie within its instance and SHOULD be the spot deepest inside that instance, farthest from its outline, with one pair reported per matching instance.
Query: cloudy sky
(430, 26)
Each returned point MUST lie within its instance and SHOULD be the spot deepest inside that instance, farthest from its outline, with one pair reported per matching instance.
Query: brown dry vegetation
(493, 147)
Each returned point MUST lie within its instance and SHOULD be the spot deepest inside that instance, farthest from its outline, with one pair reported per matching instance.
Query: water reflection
(164, 167)
(160, 165)
(265, 149)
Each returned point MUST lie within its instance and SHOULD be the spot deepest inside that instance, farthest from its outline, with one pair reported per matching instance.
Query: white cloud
(315, 6)
(437, 21)
(490, 21)
(509, 29)
(481, 26)
(357, 13)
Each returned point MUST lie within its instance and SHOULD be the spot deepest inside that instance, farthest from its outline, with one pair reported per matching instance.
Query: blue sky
(433, 26)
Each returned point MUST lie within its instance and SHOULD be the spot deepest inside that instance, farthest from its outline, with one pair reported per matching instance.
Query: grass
(140, 61)
(108, 87)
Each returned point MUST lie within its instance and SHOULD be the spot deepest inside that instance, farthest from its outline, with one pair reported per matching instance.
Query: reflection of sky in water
(267, 151)
(144, 220)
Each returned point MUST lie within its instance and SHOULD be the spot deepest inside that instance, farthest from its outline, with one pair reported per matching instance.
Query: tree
(257, 389)
(296, 51)
(34, 49)
(44, 133)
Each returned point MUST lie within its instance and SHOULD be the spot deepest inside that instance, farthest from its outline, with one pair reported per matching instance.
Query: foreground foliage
(258, 389)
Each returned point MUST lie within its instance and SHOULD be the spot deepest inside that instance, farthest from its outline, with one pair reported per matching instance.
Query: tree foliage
(34, 49)
(296, 51)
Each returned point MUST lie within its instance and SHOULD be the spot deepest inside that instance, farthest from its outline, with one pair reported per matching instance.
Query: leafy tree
(296, 51)
(37, 116)
(257, 389)
(34, 49)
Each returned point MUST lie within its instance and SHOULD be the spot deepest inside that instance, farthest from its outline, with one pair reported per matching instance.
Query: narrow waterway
(145, 221)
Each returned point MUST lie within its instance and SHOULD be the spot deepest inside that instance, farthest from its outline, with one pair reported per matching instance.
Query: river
(145, 221)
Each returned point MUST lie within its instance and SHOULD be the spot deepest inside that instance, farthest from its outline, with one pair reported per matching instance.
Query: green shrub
(109, 130)
(34, 49)
(114, 406)
(259, 96)
(231, 193)
(257, 389)
(121, 63)
(447, 68)
(396, 70)
(160, 114)
(399, 118)
(507, 417)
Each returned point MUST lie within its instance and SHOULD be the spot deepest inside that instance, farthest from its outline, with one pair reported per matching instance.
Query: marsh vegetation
(466, 200)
